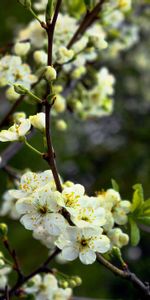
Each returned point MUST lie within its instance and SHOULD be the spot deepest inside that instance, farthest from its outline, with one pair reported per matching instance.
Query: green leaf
(115, 185)
(144, 220)
(138, 197)
(146, 205)
(135, 233)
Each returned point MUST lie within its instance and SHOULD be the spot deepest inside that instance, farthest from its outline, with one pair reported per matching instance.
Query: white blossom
(83, 242)
(41, 208)
(89, 213)
(70, 196)
(30, 182)
(12, 71)
(9, 206)
(15, 132)
(46, 288)
(22, 49)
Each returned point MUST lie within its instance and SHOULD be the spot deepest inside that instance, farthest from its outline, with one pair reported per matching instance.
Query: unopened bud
(19, 116)
(59, 104)
(11, 94)
(50, 73)
(21, 49)
(61, 125)
(3, 230)
(72, 283)
(63, 283)
(20, 89)
(78, 280)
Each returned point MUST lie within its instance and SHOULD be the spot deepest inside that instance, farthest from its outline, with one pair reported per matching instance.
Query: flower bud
(38, 121)
(78, 106)
(3, 230)
(19, 116)
(124, 4)
(11, 94)
(61, 125)
(40, 57)
(20, 89)
(59, 104)
(78, 72)
(50, 73)
(78, 280)
(63, 283)
(21, 49)
(72, 283)
(64, 55)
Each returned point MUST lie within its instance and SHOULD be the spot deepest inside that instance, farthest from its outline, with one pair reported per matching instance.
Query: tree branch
(143, 288)
(87, 21)
(50, 155)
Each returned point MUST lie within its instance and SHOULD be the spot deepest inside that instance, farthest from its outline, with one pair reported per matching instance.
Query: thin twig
(12, 253)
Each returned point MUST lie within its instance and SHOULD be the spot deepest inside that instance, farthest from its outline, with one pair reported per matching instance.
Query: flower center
(84, 242)
(43, 210)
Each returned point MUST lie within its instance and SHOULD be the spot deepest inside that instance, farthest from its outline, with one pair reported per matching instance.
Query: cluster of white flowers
(103, 39)
(92, 224)
(12, 70)
(96, 101)
(46, 288)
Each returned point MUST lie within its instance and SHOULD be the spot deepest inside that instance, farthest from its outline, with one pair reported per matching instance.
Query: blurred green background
(113, 147)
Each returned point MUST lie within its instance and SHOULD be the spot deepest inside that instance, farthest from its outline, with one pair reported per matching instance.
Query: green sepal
(115, 185)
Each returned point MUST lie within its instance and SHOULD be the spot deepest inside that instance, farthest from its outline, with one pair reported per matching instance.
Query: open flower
(70, 196)
(82, 242)
(89, 213)
(15, 132)
(46, 287)
(30, 182)
(9, 206)
(41, 208)
(12, 70)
